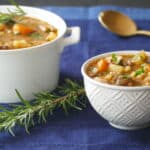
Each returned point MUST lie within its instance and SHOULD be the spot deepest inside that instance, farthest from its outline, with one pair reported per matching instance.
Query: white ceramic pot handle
(73, 36)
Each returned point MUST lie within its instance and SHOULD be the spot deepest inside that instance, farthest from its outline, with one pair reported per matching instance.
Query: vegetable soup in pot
(121, 69)
(23, 31)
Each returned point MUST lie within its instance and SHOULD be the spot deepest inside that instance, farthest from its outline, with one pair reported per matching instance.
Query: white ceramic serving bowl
(123, 107)
(31, 70)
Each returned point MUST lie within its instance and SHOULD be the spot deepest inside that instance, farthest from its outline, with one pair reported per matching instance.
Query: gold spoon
(120, 24)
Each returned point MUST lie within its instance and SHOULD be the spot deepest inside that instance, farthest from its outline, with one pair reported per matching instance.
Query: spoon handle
(143, 32)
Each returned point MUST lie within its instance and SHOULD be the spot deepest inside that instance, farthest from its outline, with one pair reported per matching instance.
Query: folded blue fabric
(85, 130)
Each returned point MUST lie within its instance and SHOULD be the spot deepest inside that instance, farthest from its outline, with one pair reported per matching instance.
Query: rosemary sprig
(9, 17)
(69, 95)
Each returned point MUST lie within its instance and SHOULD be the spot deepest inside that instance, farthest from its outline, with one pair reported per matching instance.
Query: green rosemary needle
(9, 17)
(69, 95)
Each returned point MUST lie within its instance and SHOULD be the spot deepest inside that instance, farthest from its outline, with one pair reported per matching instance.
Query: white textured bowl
(123, 107)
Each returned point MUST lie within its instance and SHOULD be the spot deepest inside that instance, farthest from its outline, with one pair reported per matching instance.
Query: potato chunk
(116, 68)
(51, 36)
(139, 58)
(20, 44)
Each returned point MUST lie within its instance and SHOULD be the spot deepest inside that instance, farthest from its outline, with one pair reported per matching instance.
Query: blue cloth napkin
(85, 130)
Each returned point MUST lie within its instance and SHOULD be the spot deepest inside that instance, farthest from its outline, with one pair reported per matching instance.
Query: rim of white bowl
(5, 51)
(85, 64)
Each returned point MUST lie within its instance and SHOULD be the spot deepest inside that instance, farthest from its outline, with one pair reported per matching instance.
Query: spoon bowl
(119, 24)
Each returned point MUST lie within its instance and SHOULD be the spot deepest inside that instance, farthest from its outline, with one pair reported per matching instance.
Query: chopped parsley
(114, 58)
(139, 71)
(36, 35)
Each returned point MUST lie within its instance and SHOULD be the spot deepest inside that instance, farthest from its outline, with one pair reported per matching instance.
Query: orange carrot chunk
(102, 65)
(2, 27)
(22, 29)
